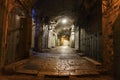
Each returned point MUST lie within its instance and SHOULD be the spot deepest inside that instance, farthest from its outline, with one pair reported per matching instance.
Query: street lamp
(64, 20)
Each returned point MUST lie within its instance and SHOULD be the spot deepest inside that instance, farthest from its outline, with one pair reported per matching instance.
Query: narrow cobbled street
(61, 63)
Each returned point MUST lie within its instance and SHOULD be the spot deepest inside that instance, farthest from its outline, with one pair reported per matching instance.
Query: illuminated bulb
(64, 21)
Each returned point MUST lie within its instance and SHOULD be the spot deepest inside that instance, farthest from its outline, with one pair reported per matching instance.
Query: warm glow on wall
(17, 17)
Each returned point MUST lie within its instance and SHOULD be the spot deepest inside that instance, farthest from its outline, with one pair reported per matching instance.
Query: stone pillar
(29, 28)
(116, 26)
(110, 10)
(33, 34)
(1, 30)
(77, 39)
(72, 37)
(90, 45)
(5, 11)
(40, 36)
(27, 35)
(45, 36)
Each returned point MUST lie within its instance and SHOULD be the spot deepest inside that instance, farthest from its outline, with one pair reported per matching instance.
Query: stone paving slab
(51, 69)
(60, 61)
(26, 71)
(48, 73)
(59, 64)
(29, 77)
(83, 73)
(93, 61)
(64, 73)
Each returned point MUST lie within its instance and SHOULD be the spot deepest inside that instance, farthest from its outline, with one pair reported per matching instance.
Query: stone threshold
(11, 68)
(93, 61)
(97, 64)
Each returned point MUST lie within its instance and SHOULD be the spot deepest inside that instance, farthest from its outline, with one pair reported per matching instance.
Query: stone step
(25, 71)
(11, 68)
(102, 71)
(84, 73)
(70, 73)
(63, 73)
(81, 54)
(47, 73)
(56, 78)
(96, 63)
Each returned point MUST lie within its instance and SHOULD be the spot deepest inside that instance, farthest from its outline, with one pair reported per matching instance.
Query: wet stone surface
(61, 61)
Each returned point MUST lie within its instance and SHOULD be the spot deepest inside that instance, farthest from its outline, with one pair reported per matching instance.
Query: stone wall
(91, 33)
(12, 36)
(110, 11)
(116, 41)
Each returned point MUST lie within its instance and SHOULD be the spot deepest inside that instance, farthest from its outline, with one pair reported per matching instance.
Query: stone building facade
(15, 31)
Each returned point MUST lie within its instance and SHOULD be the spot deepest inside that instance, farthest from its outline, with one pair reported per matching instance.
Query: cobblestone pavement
(62, 63)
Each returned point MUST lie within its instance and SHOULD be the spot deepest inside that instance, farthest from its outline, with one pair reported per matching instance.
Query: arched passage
(85, 33)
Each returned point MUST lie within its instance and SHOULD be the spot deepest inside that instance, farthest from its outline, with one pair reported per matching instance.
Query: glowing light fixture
(64, 21)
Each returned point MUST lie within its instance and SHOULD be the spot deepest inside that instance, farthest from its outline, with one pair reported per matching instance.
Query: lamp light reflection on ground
(64, 47)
